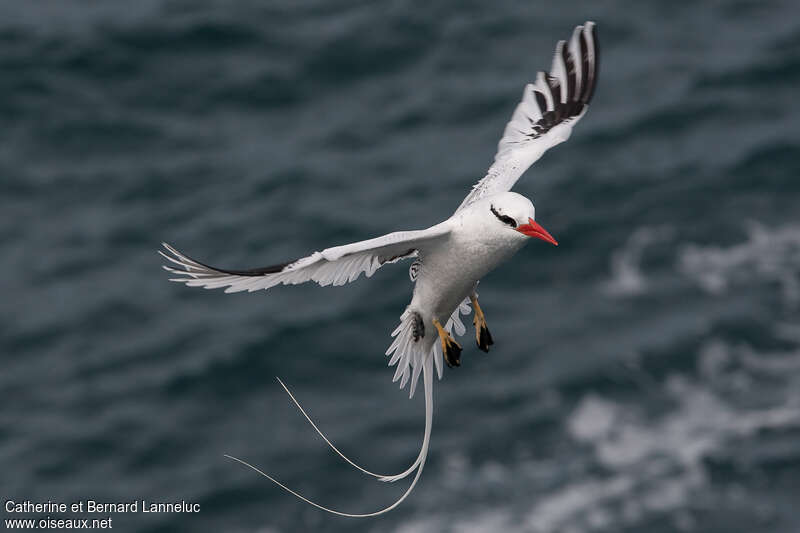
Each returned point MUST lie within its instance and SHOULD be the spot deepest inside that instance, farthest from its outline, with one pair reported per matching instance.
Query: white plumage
(489, 226)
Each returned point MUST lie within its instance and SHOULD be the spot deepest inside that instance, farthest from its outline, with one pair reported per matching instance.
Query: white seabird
(489, 227)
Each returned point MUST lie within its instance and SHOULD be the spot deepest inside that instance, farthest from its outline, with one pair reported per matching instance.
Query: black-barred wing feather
(549, 109)
(332, 266)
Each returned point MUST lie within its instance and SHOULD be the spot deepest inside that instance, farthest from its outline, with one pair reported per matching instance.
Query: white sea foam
(627, 277)
(771, 255)
(652, 464)
(657, 463)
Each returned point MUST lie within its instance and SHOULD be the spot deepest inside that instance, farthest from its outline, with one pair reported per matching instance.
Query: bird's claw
(482, 336)
(450, 348)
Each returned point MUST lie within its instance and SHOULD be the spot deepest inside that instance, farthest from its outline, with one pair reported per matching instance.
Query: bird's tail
(408, 355)
(418, 465)
(381, 477)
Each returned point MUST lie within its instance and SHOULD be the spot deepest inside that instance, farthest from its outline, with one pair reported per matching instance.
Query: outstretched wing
(546, 114)
(333, 266)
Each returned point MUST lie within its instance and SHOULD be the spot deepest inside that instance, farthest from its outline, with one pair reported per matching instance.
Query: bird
(449, 259)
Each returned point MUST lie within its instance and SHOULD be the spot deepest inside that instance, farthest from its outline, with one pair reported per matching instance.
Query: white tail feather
(382, 477)
(407, 353)
(428, 380)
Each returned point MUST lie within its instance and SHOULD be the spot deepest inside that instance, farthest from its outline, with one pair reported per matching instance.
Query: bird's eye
(505, 219)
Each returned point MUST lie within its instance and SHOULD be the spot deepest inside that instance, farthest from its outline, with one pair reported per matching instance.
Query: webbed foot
(482, 336)
(450, 348)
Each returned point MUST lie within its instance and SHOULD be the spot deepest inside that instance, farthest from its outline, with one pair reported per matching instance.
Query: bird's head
(513, 211)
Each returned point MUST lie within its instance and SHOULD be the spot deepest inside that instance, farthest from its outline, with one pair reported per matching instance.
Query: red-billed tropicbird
(489, 226)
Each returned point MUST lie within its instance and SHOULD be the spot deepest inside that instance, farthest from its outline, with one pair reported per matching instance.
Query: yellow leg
(482, 335)
(450, 348)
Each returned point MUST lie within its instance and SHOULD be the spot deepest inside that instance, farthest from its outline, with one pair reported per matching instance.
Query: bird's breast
(449, 273)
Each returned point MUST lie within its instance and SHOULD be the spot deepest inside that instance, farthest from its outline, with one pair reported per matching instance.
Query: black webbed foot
(452, 352)
(450, 348)
(484, 338)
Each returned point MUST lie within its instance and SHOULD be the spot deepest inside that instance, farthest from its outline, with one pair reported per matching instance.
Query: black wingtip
(272, 269)
(580, 63)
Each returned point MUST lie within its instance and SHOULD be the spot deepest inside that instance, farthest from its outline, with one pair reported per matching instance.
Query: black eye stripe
(505, 219)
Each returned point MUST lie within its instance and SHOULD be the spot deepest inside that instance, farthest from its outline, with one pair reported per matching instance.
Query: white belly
(450, 273)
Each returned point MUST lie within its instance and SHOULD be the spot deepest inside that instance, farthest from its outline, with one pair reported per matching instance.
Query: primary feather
(332, 266)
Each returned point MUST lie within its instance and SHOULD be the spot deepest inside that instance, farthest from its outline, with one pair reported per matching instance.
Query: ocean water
(646, 373)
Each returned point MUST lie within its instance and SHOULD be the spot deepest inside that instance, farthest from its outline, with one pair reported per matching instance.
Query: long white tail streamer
(428, 379)
(391, 478)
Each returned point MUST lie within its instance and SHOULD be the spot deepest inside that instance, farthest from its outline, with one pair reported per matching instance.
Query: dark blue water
(646, 373)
